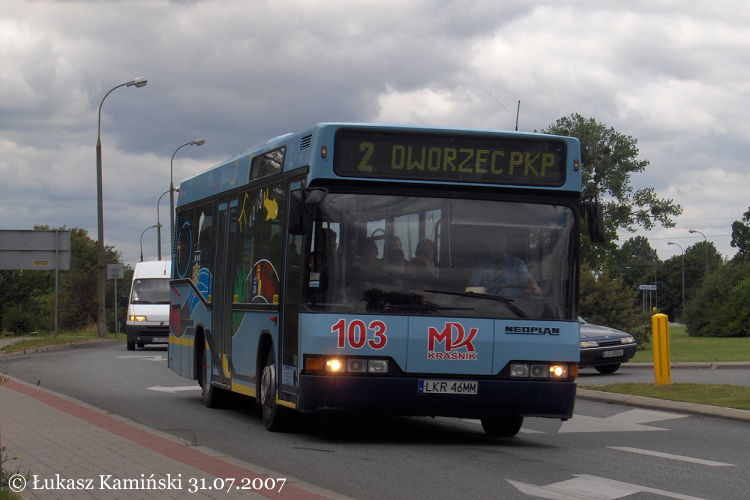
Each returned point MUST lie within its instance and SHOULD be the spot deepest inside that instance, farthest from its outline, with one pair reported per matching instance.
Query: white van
(148, 308)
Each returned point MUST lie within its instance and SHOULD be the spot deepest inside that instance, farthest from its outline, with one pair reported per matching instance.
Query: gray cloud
(672, 75)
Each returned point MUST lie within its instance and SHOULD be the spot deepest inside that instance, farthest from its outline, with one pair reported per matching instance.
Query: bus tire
(213, 397)
(502, 426)
(274, 417)
(130, 345)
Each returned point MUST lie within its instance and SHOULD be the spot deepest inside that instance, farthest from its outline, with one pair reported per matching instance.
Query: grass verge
(729, 396)
(684, 348)
(49, 340)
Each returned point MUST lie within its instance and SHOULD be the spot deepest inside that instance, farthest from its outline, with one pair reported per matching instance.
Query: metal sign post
(649, 289)
(116, 272)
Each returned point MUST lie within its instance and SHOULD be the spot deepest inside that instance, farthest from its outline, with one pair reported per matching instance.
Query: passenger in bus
(501, 273)
(366, 266)
(394, 260)
(422, 266)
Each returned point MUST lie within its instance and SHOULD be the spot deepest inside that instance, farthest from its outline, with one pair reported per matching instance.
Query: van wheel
(502, 426)
(274, 417)
(213, 397)
(130, 345)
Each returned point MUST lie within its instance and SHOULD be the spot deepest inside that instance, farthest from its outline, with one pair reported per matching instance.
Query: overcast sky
(675, 75)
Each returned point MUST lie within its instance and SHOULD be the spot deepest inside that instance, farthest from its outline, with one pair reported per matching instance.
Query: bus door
(222, 297)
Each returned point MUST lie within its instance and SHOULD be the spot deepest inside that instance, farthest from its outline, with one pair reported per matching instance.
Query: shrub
(17, 321)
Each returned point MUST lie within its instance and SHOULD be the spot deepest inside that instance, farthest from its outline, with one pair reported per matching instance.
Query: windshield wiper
(508, 303)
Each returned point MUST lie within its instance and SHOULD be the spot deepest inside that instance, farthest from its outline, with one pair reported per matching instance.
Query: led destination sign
(449, 157)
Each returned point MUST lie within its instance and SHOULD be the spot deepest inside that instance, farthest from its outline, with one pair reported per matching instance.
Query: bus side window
(268, 217)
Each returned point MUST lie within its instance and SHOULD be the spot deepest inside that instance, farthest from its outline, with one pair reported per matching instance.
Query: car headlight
(589, 343)
(628, 340)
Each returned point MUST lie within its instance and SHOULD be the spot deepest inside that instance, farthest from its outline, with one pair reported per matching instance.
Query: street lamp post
(144, 232)
(683, 274)
(101, 320)
(705, 240)
(158, 224)
(196, 142)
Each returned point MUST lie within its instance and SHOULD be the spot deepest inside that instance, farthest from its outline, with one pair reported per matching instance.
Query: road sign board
(115, 271)
(38, 250)
(646, 287)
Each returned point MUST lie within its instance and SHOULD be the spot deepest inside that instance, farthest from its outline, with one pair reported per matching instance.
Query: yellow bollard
(662, 364)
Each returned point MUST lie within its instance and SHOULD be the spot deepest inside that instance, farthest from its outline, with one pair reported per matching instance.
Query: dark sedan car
(604, 348)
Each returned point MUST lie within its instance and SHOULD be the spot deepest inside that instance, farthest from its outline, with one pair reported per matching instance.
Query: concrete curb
(708, 365)
(664, 404)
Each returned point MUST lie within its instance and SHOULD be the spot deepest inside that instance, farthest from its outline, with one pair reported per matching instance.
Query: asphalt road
(605, 451)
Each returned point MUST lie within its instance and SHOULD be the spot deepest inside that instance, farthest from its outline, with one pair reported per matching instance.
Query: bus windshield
(150, 291)
(381, 254)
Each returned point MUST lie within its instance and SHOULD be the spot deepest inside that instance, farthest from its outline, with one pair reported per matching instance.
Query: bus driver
(502, 274)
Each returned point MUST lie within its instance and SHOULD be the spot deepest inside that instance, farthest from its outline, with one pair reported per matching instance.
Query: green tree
(636, 262)
(670, 278)
(741, 235)
(712, 259)
(721, 305)
(78, 287)
(608, 159)
(608, 301)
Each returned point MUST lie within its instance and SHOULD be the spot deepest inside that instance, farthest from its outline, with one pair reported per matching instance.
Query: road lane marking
(670, 456)
(157, 357)
(174, 389)
(627, 421)
(589, 487)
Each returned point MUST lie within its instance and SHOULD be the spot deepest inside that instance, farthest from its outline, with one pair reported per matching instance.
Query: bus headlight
(317, 363)
(333, 365)
(538, 371)
(558, 371)
(355, 365)
(137, 318)
(519, 371)
(377, 366)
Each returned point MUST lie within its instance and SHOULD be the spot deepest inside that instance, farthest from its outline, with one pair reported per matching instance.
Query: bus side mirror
(302, 207)
(594, 215)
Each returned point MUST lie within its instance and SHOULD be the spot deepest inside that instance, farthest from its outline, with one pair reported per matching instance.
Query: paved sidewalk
(68, 449)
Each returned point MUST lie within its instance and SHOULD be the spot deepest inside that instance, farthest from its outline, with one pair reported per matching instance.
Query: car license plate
(427, 386)
(613, 354)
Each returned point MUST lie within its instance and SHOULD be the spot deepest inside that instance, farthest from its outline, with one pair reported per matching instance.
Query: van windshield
(150, 291)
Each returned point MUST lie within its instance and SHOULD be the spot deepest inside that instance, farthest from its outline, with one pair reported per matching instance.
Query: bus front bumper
(401, 396)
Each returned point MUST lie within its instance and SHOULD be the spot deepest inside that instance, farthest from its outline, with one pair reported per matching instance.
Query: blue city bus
(340, 269)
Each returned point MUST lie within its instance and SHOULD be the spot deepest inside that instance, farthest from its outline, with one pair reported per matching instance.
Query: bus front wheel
(502, 426)
(212, 396)
(273, 416)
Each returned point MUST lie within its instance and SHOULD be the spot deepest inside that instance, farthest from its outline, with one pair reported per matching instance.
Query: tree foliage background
(608, 160)
(27, 298)
(606, 300)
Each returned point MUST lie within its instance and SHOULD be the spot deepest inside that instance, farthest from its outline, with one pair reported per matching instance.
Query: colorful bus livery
(333, 269)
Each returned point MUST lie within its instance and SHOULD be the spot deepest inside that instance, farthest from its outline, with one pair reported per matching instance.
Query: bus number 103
(356, 334)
